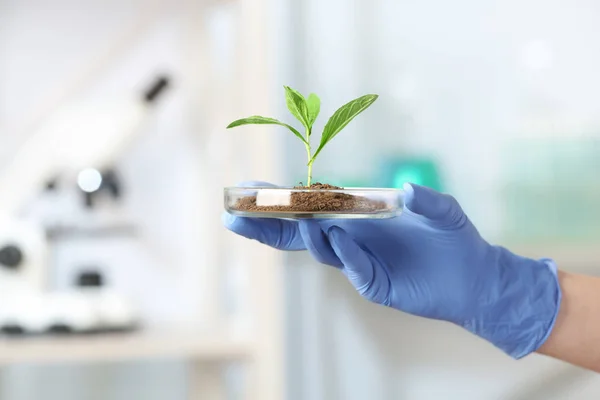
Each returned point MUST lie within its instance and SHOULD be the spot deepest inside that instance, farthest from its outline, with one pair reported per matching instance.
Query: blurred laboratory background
(117, 280)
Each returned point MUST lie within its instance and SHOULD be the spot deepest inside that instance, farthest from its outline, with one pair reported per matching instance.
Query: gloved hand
(431, 262)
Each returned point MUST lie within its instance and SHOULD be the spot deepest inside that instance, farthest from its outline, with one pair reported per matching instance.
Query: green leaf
(296, 103)
(258, 120)
(314, 107)
(342, 117)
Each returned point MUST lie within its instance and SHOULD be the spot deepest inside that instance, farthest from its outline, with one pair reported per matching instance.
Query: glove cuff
(551, 265)
(522, 308)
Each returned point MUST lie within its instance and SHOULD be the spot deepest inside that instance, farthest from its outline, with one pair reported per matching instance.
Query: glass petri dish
(305, 203)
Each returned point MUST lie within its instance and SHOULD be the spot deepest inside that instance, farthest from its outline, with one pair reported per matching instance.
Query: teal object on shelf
(421, 171)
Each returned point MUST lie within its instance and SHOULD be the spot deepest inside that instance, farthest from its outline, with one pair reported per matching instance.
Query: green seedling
(306, 110)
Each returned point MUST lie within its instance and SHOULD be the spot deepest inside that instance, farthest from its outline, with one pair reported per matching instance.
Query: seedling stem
(308, 153)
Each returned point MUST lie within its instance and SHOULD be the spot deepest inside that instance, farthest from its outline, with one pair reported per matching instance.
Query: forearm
(576, 334)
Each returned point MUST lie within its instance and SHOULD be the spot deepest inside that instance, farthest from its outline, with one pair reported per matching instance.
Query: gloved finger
(359, 268)
(317, 243)
(357, 265)
(277, 233)
(431, 204)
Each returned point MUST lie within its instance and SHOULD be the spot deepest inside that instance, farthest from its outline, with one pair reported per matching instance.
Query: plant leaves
(314, 107)
(342, 117)
(296, 103)
(258, 120)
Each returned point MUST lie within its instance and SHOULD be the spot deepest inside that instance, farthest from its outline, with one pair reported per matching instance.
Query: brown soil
(317, 202)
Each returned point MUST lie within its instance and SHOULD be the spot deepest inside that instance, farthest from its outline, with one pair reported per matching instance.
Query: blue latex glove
(431, 262)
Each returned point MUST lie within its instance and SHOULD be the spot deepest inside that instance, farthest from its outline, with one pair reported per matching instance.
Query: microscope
(76, 149)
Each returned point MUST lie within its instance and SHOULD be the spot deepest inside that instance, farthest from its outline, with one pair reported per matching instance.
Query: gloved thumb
(317, 243)
(359, 267)
(431, 204)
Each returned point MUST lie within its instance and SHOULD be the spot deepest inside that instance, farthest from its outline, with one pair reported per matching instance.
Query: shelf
(120, 347)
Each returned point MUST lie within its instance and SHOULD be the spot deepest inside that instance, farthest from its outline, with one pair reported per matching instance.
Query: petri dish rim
(295, 189)
(295, 215)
